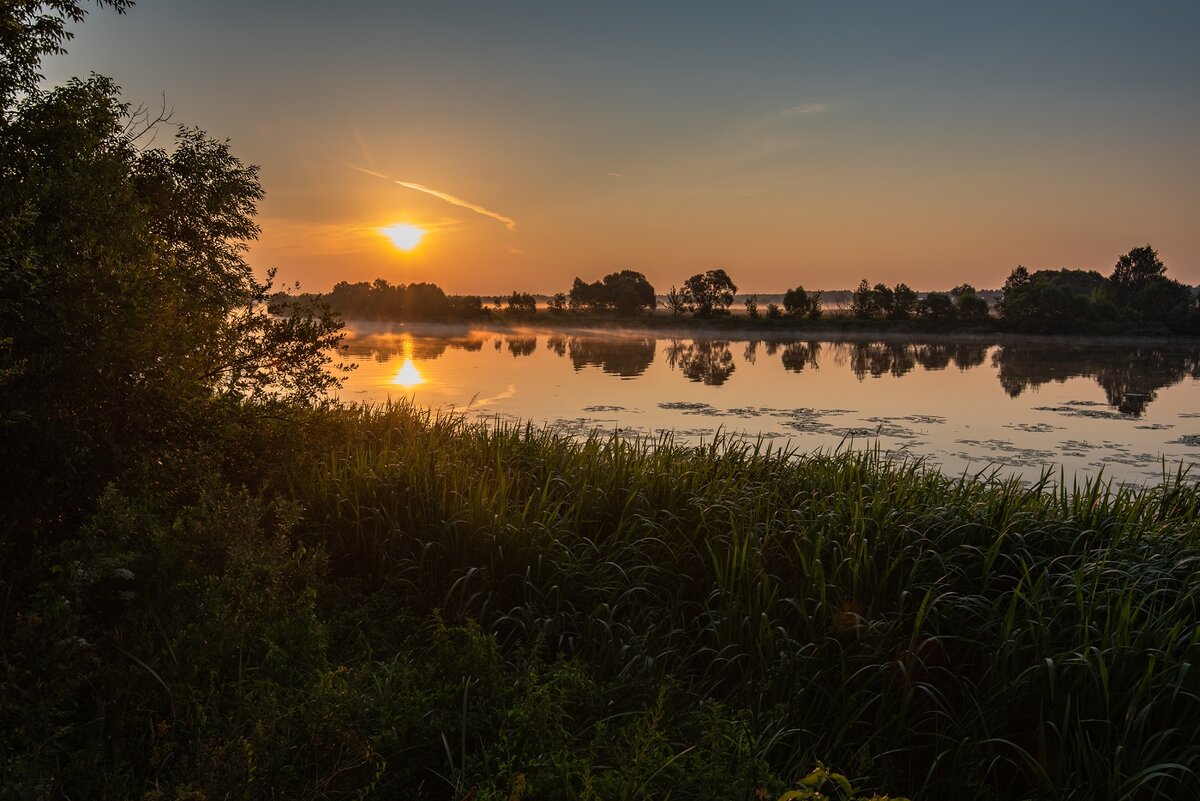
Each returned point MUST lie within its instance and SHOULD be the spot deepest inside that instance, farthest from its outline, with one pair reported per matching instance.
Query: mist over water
(1121, 410)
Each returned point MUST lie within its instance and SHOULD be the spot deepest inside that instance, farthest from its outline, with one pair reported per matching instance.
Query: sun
(403, 235)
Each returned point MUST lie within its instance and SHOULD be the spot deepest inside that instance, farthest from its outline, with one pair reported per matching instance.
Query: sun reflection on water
(408, 375)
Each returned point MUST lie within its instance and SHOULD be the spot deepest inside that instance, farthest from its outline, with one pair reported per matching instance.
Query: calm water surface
(964, 406)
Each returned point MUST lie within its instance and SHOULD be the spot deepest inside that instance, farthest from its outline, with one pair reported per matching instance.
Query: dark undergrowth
(383, 603)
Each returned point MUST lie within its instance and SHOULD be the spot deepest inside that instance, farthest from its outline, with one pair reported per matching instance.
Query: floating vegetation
(1077, 409)
(1033, 428)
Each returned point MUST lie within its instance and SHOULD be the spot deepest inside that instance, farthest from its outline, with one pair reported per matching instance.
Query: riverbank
(741, 327)
(410, 605)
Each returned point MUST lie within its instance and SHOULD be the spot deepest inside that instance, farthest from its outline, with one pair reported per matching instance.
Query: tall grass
(969, 637)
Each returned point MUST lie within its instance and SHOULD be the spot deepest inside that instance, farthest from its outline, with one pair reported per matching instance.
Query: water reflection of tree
(384, 349)
(706, 360)
(521, 346)
(556, 344)
(626, 357)
(878, 358)
(1130, 377)
(798, 355)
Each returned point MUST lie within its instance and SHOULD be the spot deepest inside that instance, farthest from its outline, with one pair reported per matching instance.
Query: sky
(791, 143)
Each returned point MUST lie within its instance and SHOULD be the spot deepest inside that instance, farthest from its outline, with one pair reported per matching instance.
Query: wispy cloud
(799, 111)
(454, 200)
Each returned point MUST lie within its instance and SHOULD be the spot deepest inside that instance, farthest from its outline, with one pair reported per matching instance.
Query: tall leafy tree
(130, 321)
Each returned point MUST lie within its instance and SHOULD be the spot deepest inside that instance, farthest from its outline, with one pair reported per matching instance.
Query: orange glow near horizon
(404, 236)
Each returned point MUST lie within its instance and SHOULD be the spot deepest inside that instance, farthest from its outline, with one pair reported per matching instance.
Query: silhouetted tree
(630, 283)
(904, 302)
(863, 303)
(970, 308)
(676, 302)
(800, 303)
(522, 304)
(936, 307)
(709, 293)
(1136, 267)
(751, 302)
(626, 292)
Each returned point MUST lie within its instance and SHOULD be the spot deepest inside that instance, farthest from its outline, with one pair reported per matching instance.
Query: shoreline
(743, 329)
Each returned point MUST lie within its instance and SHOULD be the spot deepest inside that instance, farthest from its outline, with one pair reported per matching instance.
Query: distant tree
(969, 307)
(936, 307)
(795, 301)
(709, 293)
(885, 300)
(1135, 268)
(751, 302)
(863, 303)
(1049, 301)
(773, 311)
(628, 303)
(465, 307)
(592, 297)
(904, 302)
(676, 302)
(425, 301)
(962, 289)
(557, 304)
(629, 281)
(799, 303)
(521, 304)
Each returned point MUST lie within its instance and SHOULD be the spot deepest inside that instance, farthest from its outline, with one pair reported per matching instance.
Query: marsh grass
(940, 636)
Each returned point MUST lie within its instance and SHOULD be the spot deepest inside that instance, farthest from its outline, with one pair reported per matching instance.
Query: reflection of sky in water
(963, 406)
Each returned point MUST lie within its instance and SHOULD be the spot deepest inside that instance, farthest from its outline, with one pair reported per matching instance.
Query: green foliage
(822, 783)
(941, 636)
(214, 587)
(130, 317)
(1136, 298)
(31, 29)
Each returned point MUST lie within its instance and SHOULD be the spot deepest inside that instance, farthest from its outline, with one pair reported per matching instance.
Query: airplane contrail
(509, 222)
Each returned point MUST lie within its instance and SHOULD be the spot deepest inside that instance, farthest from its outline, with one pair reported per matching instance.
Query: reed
(945, 636)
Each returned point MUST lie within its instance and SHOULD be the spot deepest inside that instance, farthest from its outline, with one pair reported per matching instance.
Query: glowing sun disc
(403, 235)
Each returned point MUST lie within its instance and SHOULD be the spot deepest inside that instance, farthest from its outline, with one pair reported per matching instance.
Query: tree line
(1136, 298)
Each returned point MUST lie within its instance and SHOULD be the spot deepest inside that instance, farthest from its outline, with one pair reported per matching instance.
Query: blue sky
(790, 143)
